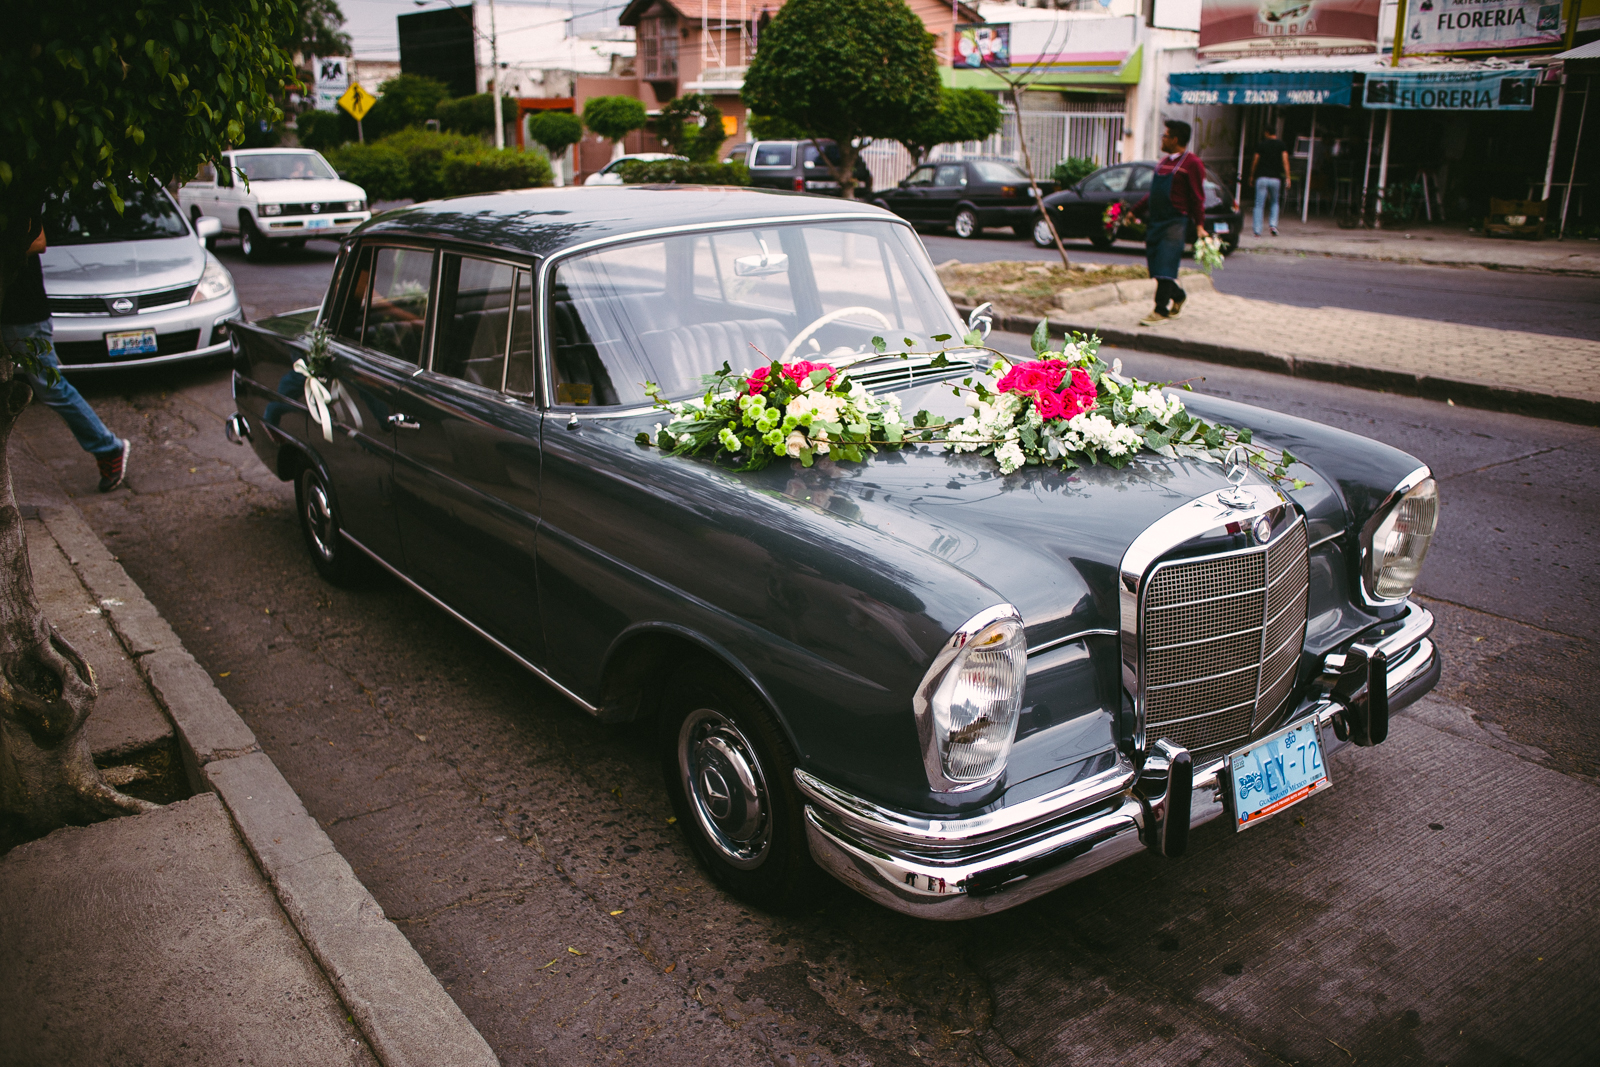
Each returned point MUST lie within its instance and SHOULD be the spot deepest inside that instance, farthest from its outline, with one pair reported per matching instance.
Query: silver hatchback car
(133, 289)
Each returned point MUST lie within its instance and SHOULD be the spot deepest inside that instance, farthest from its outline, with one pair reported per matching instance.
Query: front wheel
(730, 775)
(335, 558)
(251, 243)
(966, 224)
(1042, 237)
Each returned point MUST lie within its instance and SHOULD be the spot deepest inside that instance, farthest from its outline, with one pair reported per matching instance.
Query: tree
(110, 93)
(556, 130)
(847, 70)
(768, 128)
(318, 30)
(614, 117)
(404, 100)
(691, 127)
(962, 115)
(473, 114)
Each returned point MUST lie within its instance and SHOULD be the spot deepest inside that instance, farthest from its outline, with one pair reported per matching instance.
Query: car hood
(122, 266)
(305, 191)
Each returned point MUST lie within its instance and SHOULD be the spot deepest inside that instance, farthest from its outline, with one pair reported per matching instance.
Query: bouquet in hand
(1119, 217)
(1208, 252)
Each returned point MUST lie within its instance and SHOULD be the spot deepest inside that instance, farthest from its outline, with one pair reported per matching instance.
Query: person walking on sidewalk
(1269, 173)
(1177, 195)
(25, 322)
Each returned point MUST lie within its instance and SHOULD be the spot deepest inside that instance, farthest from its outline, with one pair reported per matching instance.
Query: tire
(1041, 234)
(966, 224)
(251, 243)
(1102, 240)
(337, 560)
(730, 775)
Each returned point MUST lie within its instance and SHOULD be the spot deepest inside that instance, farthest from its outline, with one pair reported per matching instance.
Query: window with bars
(658, 44)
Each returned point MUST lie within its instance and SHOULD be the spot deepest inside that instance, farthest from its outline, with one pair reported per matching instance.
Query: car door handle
(401, 421)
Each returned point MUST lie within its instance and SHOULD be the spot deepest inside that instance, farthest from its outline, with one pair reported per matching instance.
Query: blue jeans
(85, 425)
(1267, 189)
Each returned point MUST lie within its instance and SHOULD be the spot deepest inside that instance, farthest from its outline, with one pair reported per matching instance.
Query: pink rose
(758, 380)
(798, 371)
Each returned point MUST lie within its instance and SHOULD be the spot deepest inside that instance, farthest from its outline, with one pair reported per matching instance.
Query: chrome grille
(1221, 639)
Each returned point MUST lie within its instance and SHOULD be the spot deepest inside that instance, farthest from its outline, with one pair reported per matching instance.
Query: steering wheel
(800, 338)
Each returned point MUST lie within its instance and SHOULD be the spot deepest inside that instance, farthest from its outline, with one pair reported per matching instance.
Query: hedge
(682, 172)
(380, 169)
(490, 171)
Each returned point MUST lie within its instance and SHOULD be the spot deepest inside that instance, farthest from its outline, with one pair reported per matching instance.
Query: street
(1436, 907)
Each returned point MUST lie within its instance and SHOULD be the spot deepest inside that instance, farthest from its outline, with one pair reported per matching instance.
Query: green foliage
(403, 101)
(93, 91)
(487, 171)
(425, 152)
(321, 130)
(772, 128)
(1072, 170)
(474, 114)
(556, 130)
(380, 169)
(845, 69)
(691, 126)
(962, 115)
(614, 117)
(318, 30)
(683, 172)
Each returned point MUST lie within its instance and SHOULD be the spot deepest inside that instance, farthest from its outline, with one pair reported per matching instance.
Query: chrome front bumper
(985, 863)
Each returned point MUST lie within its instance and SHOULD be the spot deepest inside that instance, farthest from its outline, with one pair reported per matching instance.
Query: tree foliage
(683, 172)
(556, 130)
(318, 30)
(614, 117)
(404, 100)
(491, 170)
(847, 70)
(691, 126)
(474, 114)
(962, 115)
(771, 128)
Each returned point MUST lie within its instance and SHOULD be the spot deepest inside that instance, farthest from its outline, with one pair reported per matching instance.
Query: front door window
(397, 313)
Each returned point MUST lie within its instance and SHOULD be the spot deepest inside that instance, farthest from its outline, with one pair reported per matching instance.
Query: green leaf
(878, 344)
(974, 338)
(1041, 337)
(941, 360)
(940, 337)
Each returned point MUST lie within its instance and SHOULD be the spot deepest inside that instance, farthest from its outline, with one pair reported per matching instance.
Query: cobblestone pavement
(1433, 243)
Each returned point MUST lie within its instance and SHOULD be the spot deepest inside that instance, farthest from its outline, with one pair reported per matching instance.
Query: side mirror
(981, 319)
(206, 227)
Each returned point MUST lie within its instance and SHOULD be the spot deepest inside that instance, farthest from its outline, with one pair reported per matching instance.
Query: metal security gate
(1052, 136)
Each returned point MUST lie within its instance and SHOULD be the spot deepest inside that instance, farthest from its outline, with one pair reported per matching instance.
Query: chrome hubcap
(726, 788)
(1041, 233)
(319, 518)
(965, 224)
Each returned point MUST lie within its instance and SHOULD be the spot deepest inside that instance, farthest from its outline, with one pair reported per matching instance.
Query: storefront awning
(1261, 87)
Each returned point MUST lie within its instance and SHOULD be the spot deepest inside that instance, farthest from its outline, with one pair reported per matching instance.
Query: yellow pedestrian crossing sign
(357, 101)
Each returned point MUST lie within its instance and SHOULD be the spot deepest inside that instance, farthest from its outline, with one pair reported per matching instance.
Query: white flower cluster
(991, 421)
(1165, 408)
(1086, 431)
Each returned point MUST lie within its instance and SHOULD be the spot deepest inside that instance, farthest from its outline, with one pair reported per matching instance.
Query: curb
(1426, 386)
(1422, 261)
(405, 1014)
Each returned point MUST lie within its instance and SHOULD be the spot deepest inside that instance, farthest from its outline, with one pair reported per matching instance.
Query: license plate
(1277, 772)
(317, 224)
(1221, 227)
(131, 342)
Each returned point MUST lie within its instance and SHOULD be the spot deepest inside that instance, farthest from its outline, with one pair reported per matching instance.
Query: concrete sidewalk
(222, 928)
(1436, 244)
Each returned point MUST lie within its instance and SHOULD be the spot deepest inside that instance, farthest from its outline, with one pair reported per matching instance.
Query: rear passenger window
(475, 299)
(397, 312)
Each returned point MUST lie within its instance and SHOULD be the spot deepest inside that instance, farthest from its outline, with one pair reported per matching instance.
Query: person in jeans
(24, 325)
(1177, 196)
(1269, 171)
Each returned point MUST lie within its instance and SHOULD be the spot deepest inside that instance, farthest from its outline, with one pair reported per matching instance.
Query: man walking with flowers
(1177, 194)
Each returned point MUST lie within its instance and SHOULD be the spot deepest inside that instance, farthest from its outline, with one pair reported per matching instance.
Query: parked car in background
(135, 288)
(611, 173)
(967, 195)
(1078, 212)
(275, 196)
(739, 153)
(952, 690)
(798, 165)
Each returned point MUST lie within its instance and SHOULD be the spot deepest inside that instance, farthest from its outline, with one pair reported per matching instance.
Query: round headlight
(970, 700)
(1399, 542)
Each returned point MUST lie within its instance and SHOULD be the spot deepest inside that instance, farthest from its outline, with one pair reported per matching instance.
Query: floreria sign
(1482, 25)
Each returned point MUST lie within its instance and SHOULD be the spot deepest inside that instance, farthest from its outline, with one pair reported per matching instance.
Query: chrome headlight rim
(1366, 579)
(922, 701)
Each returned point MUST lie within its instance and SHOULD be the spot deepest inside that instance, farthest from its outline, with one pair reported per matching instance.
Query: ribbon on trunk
(322, 398)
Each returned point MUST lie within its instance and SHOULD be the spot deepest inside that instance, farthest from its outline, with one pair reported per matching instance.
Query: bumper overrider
(965, 867)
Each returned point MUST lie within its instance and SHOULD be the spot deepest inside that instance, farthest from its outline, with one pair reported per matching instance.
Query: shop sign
(1482, 25)
(988, 45)
(1456, 90)
(331, 78)
(1201, 88)
(1280, 27)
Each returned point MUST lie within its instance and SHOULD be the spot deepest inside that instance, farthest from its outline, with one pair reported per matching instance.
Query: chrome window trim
(549, 264)
(1184, 523)
(921, 700)
(1406, 484)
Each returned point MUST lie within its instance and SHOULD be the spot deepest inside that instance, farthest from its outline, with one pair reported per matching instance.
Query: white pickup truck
(271, 196)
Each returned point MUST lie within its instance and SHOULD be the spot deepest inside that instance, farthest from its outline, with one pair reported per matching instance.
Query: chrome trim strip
(1067, 640)
(1408, 483)
(1319, 543)
(921, 700)
(177, 357)
(888, 825)
(474, 627)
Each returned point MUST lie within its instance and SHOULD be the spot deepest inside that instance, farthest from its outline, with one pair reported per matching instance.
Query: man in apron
(1177, 195)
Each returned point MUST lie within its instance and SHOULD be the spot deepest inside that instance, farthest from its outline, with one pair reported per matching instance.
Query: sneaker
(114, 468)
(1155, 318)
(1274, 230)
(1177, 306)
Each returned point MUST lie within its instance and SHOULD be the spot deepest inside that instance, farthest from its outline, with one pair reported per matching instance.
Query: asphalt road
(1435, 907)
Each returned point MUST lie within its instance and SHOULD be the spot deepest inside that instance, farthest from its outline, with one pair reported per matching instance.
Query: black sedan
(1079, 212)
(950, 688)
(966, 194)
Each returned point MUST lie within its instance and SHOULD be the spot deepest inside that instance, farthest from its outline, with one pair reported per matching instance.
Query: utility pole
(494, 86)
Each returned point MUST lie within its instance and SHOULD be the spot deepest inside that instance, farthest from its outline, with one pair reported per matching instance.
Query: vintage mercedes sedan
(951, 688)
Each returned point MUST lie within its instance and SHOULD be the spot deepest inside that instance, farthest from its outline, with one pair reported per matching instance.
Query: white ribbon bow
(322, 396)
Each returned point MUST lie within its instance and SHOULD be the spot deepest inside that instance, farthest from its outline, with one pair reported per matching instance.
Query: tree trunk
(47, 774)
(1033, 182)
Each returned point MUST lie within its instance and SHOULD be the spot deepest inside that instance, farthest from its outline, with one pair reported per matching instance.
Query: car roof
(542, 222)
(274, 151)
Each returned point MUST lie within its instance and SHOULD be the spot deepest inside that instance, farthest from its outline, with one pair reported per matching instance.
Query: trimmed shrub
(404, 100)
(683, 172)
(474, 114)
(556, 130)
(1072, 170)
(768, 128)
(614, 117)
(491, 171)
(320, 130)
(425, 153)
(380, 169)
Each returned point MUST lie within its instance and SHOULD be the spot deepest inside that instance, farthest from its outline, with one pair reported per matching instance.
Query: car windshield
(86, 217)
(990, 171)
(774, 155)
(283, 166)
(672, 310)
